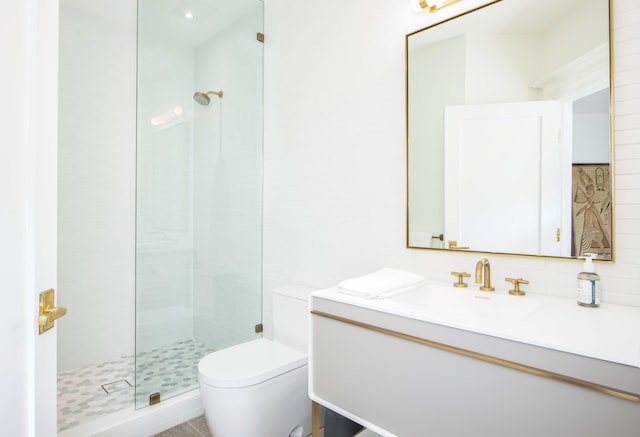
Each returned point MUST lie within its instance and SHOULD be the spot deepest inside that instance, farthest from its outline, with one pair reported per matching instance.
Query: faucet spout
(483, 275)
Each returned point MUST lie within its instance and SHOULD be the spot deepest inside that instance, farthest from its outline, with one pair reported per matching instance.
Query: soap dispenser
(589, 293)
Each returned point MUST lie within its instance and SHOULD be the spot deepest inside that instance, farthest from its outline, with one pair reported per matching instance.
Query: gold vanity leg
(315, 419)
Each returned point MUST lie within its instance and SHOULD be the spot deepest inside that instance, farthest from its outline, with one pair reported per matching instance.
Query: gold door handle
(49, 313)
(453, 244)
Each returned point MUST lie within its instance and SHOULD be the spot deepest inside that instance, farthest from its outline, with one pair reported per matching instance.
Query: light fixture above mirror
(430, 5)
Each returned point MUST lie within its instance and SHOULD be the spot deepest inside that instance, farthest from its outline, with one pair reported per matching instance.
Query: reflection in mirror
(508, 130)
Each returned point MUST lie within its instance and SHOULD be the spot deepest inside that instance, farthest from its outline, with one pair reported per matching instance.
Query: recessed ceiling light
(188, 15)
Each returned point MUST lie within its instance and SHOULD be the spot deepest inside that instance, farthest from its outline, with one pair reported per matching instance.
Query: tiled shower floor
(169, 370)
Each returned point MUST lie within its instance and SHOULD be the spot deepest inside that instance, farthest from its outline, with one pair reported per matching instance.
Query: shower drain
(113, 387)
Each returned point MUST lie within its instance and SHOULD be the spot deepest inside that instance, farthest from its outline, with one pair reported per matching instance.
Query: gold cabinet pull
(48, 313)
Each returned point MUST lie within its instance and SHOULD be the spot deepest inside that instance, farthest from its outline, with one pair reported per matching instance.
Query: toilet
(259, 388)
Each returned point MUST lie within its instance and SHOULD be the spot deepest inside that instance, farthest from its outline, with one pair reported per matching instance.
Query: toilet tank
(291, 315)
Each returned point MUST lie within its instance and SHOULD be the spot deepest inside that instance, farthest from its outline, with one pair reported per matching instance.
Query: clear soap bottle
(589, 293)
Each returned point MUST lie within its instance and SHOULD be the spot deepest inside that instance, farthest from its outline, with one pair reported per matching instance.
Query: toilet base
(272, 408)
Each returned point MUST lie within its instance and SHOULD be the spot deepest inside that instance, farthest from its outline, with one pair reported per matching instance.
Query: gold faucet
(483, 269)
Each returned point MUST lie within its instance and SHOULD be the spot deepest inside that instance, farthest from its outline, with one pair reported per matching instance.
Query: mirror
(509, 130)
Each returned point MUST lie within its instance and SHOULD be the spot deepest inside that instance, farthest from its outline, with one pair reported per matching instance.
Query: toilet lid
(249, 363)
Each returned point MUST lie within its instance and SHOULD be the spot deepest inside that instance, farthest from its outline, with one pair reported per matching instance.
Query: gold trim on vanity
(487, 358)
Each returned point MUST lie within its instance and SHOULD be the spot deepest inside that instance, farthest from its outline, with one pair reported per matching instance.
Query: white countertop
(610, 332)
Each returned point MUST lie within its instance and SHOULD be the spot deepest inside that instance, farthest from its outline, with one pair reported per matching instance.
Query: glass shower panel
(199, 187)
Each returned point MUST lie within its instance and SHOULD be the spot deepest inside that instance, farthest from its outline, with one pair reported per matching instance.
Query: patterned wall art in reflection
(591, 210)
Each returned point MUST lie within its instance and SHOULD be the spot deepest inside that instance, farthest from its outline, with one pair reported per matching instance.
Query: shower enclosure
(198, 221)
(160, 197)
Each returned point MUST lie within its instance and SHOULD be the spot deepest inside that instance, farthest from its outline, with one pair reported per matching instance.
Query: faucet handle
(461, 276)
(516, 286)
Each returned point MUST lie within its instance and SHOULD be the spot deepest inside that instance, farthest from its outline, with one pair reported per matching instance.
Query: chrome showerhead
(203, 98)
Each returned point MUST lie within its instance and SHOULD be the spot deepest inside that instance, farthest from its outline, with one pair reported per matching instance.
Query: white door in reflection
(521, 207)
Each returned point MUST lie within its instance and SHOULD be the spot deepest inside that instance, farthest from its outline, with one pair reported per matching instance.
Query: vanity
(444, 361)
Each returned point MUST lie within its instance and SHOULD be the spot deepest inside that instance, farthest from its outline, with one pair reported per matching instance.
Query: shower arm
(217, 93)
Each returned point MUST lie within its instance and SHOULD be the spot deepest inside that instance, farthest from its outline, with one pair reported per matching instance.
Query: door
(28, 156)
(43, 144)
(28, 152)
(517, 209)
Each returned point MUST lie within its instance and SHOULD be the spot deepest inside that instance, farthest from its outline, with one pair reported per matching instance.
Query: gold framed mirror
(510, 130)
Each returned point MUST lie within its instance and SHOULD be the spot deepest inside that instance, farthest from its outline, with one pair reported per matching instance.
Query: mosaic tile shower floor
(169, 370)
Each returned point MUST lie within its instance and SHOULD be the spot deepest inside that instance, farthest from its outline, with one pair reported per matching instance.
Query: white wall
(515, 60)
(591, 137)
(335, 152)
(560, 43)
(96, 169)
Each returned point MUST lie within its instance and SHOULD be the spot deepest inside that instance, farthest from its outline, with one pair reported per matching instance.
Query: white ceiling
(164, 20)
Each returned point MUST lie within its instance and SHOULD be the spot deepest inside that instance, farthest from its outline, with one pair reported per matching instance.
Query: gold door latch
(49, 313)
(453, 244)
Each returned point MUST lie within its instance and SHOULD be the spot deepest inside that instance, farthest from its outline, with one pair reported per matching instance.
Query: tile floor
(194, 428)
(87, 393)
(198, 428)
(169, 370)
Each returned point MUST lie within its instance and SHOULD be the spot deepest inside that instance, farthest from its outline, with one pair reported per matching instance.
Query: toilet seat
(249, 363)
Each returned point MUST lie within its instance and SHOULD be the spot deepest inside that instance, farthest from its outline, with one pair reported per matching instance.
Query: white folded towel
(382, 283)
